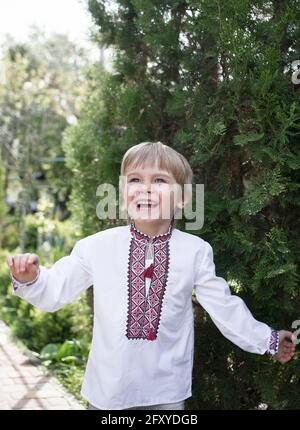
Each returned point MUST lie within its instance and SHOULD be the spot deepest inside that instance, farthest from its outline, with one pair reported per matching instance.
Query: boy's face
(150, 193)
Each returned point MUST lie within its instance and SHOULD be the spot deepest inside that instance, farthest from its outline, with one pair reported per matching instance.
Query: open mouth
(146, 205)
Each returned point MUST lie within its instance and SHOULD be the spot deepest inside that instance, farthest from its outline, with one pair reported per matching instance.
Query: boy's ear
(184, 196)
(181, 204)
(184, 201)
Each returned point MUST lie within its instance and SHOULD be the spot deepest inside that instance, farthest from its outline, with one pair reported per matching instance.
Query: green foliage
(71, 376)
(262, 190)
(213, 80)
(34, 327)
(3, 208)
(40, 87)
(71, 351)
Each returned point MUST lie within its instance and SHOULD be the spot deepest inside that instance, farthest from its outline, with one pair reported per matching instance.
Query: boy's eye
(156, 180)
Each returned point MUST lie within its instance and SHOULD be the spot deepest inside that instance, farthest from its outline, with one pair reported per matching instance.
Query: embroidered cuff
(17, 284)
(273, 343)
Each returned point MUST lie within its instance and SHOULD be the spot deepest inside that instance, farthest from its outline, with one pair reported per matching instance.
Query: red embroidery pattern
(143, 314)
(149, 271)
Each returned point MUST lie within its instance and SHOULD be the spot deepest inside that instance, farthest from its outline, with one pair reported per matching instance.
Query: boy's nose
(144, 195)
(146, 187)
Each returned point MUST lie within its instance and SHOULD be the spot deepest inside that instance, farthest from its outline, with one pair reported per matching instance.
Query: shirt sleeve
(229, 312)
(17, 284)
(59, 285)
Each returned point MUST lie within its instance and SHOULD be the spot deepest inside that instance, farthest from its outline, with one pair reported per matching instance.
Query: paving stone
(24, 385)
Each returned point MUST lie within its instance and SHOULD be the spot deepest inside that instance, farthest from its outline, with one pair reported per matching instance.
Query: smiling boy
(143, 275)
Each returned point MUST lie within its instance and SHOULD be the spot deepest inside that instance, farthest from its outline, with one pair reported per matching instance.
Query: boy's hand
(286, 349)
(24, 267)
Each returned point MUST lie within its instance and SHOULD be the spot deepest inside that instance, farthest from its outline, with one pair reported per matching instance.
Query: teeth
(145, 203)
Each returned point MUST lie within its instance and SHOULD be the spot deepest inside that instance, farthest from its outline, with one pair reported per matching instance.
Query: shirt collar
(140, 235)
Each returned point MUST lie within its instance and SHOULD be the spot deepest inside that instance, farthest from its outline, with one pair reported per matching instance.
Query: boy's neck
(153, 228)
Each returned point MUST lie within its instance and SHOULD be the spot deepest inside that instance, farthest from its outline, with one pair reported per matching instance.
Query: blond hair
(166, 158)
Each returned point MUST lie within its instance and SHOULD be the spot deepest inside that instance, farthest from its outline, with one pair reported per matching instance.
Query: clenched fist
(24, 267)
(287, 347)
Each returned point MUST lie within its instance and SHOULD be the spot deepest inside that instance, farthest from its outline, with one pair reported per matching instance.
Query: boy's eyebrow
(154, 174)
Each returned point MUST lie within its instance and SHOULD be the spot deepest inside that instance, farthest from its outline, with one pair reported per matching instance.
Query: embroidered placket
(144, 310)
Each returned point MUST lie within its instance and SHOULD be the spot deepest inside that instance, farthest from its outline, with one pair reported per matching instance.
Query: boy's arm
(229, 312)
(56, 286)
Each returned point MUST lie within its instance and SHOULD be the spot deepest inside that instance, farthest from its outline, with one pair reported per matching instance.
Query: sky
(61, 16)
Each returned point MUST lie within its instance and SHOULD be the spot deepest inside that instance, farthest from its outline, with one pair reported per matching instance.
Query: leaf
(68, 348)
(219, 129)
(243, 139)
(49, 351)
(69, 359)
